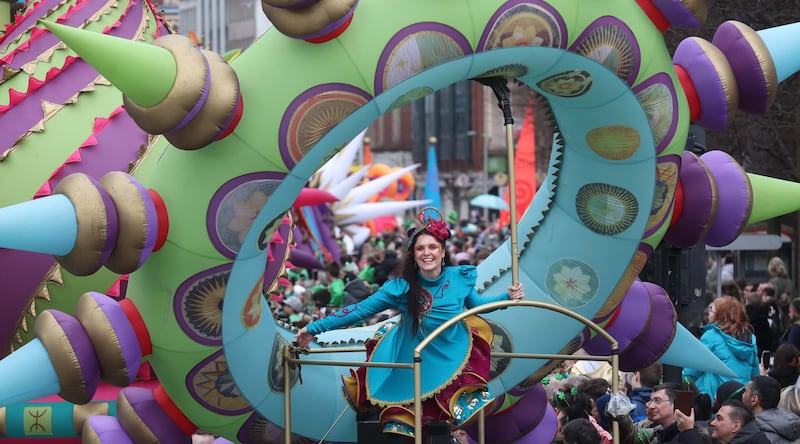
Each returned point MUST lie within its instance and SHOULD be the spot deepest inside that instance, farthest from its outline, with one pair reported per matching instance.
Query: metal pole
(499, 86)
(512, 202)
(417, 398)
(485, 140)
(287, 395)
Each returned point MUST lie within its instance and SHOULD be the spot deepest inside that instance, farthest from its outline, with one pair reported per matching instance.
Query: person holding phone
(672, 424)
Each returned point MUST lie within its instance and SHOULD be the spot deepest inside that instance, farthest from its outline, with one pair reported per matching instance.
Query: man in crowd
(779, 425)
(642, 383)
(672, 426)
(733, 424)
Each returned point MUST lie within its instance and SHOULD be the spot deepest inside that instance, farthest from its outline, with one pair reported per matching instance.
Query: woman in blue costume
(455, 366)
(730, 337)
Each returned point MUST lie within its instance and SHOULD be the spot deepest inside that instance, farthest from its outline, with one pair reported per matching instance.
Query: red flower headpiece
(431, 221)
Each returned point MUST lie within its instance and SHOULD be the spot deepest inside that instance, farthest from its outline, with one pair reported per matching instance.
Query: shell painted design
(606, 209)
(615, 142)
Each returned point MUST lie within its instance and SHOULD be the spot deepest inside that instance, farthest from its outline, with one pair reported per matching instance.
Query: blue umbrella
(489, 201)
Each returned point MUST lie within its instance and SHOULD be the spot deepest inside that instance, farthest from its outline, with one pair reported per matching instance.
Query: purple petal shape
(632, 320)
(107, 429)
(708, 69)
(756, 75)
(699, 203)
(735, 198)
(655, 339)
(152, 415)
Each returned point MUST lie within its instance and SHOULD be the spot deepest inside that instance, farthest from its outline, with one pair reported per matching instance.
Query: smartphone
(766, 359)
(683, 401)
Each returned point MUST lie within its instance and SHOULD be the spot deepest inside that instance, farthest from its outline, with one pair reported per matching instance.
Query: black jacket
(672, 434)
(750, 434)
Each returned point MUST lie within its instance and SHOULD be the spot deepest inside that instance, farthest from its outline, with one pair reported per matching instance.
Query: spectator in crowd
(790, 399)
(730, 337)
(757, 316)
(785, 362)
(779, 280)
(780, 425)
(733, 424)
(570, 403)
(777, 319)
(322, 300)
(793, 332)
(355, 289)
(672, 425)
(293, 312)
(726, 391)
(580, 431)
(642, 383)
(333, 273)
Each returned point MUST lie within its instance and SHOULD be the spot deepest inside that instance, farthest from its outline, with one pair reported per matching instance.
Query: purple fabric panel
(304, 259)
(21, 274)
(27, 113)
(750, 78)
(713, 102)
(516, 420)
(656, 338)
(221, 441)
(81, 348)
(735, 198)
(632, 320)
(699, 203)
(543, 433)
(87, 10)
(677, 14)
(28, 22)
(117, 145)
(124, 332)
(156, 419)
(108, 430)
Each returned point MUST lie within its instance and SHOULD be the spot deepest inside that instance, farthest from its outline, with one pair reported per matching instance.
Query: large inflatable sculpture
(181, 213)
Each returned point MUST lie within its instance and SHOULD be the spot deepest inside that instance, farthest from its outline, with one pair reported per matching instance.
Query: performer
(455, 366)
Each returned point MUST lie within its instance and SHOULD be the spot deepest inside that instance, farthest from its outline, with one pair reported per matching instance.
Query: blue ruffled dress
(443, 360)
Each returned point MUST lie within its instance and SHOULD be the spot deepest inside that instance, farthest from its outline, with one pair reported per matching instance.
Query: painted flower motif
(572, 285)
(439, 230)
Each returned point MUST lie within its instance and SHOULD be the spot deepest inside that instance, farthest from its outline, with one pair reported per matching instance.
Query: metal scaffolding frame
(291, 358)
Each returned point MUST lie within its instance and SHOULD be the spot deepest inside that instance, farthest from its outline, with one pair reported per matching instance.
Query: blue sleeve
(474, 299)
(388, 296)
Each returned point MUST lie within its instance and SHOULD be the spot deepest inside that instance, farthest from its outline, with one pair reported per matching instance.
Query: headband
(431, 221)
(736, 392)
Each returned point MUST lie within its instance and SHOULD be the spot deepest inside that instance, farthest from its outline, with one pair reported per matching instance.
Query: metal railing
(290, 359)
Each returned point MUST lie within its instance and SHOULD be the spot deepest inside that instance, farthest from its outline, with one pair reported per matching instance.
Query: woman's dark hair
(786, 356)
(573, 403)
(580, 431)
(412, 277)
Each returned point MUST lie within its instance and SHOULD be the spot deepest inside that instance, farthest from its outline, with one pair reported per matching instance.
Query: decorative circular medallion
(606, 209)
(571, 282)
